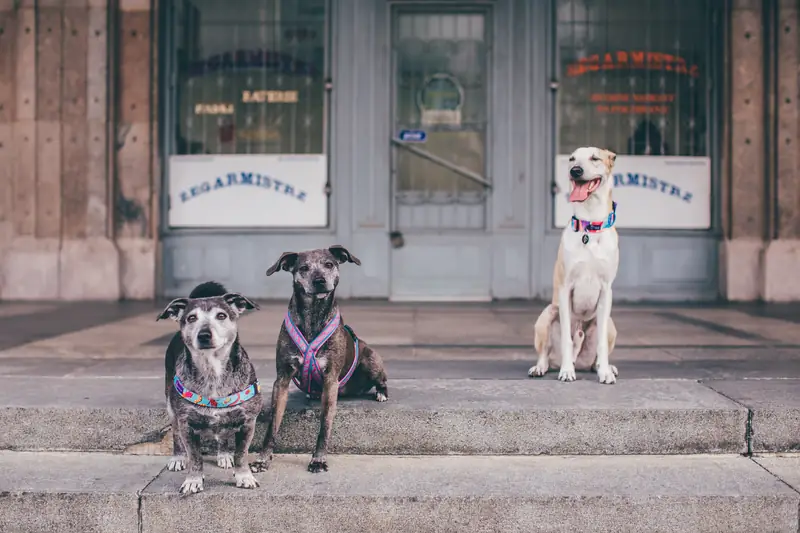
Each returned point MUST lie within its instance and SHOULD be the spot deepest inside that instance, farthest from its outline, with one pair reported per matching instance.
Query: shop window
(634, 79)
(250, 77)
(633, 76)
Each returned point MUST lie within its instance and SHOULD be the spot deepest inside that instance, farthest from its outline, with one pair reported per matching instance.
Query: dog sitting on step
(576, 329)
(317, 349)
(211, 386)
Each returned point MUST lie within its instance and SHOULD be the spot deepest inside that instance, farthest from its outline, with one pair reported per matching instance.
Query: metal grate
(634, 76)
(250, 77)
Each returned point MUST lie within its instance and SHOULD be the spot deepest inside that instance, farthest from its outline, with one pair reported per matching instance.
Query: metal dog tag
(585, 238)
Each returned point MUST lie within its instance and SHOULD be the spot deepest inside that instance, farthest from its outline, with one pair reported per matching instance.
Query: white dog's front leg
(604, 371)
(567, 372)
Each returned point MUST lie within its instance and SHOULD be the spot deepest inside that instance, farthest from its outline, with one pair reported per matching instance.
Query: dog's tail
(208, 289)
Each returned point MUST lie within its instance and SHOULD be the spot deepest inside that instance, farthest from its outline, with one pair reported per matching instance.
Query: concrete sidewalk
(101, 493)
(466, 442)
(454, 341)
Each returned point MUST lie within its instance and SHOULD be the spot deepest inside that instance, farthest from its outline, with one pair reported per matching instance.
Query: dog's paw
(225, 460)
(192, 485)
(380, 397)
(176, 463)
(245, 480)
(537, 371)
(318, 465)
(607, 374)
(262, 465)
(567, 374)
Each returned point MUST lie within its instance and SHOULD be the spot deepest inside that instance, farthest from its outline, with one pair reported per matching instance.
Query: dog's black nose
(319, 282)
(576, 171)
(204, 336)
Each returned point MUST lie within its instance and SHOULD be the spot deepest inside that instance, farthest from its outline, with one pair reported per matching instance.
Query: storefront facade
(430, 138)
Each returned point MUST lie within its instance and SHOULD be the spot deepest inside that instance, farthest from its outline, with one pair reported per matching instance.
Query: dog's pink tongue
(580, 191)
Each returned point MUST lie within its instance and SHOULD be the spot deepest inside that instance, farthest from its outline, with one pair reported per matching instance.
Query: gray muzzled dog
(341, 363)
(210, 383)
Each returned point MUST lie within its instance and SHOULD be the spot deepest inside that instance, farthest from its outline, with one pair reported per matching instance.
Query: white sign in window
(248, 191)
(655, 192)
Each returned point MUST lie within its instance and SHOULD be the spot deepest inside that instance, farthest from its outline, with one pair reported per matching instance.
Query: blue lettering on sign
(413, 136)
(652, 183)
(252, 179)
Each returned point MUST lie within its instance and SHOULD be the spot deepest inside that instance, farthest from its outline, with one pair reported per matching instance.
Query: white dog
(577, 325)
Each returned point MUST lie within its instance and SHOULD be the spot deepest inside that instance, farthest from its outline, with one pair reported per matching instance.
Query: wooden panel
(135, 5)
(96, 182)
(134, 81)
(26, 65)
(6, 172)
(48, 64)
(97, 64)
(74, 184)
(48, 179)
(787, 138)
(132, 202)
(76, 45)
(747, 136)
(24, 177)
(8, 24)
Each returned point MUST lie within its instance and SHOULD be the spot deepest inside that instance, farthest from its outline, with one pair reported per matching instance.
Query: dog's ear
(285, 262)
(239, 302)
(174, 310)
(609, 158)
(343, 255)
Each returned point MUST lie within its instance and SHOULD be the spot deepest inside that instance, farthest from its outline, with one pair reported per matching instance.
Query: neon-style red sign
(632, 60)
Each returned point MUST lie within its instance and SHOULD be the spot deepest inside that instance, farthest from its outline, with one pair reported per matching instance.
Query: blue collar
(595, 227)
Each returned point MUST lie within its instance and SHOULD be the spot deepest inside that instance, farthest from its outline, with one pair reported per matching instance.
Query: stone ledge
(30, 270)
(741, 271)
(100, 493)
(89, 270)
(462, 416)
(781, 259)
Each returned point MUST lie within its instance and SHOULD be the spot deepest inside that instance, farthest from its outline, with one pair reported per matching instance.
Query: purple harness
(310, 380)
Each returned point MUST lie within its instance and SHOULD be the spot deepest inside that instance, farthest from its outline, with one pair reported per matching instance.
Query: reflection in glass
(250, 77)
(633, 76)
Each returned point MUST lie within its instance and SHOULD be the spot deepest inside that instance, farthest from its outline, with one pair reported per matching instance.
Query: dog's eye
(595, 158)
(328, 265)
(303, 268)
(221, 316)
(191, 318)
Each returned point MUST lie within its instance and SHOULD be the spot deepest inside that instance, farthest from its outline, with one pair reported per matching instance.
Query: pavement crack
(748, 425)
(139, 501)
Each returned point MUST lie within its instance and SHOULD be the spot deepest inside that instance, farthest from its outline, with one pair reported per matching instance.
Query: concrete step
(523, 417)
(103, 493)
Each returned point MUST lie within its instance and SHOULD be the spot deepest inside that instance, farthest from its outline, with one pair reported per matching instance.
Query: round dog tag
(585, 238)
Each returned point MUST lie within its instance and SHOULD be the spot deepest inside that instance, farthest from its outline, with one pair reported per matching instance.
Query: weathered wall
(65, 229)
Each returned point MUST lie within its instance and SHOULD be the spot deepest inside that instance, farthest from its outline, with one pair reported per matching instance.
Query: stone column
(782, 254)
(30, 264)
(136, 193)
(56, 55)
(89, 265)
(741, 260)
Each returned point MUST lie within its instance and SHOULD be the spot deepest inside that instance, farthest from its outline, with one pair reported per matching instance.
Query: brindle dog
(209, 361)
(311, 308)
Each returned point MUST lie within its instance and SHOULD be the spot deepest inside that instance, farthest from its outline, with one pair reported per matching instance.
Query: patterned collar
(226, 401)
(595, 227)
